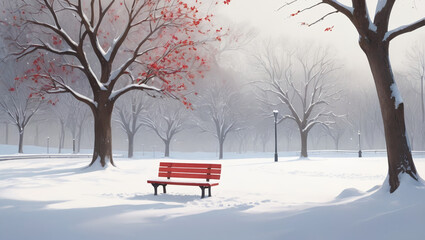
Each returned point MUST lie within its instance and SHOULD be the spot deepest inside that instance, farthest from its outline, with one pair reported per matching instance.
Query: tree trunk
(73, 135)
(220, 154)
(392, 110)
(80, 132)
(304, 144)
(102, 150)
(130, 145)
(21, 140)
(167, 148)
(61, 137)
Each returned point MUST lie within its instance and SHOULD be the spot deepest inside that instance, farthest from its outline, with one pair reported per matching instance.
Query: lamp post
(275, 112)
(360, 145)
(73, 146)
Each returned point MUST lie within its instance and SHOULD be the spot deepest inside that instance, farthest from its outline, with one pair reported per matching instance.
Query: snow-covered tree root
(406, 183)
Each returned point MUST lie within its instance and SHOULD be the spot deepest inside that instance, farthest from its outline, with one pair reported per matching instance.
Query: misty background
(234, 87)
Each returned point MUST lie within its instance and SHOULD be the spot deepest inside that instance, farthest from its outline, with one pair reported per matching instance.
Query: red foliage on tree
(116, 47)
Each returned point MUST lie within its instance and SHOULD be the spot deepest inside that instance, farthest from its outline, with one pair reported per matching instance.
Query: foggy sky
(270, 23)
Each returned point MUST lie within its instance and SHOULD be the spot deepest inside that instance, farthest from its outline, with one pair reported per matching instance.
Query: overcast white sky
(269, 22)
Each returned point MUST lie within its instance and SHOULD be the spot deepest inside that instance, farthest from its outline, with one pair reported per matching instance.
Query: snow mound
(97, 166)
(349, 192)
(408, 187)
(373, 189)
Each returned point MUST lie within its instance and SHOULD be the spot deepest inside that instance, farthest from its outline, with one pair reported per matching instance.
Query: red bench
(187, 174)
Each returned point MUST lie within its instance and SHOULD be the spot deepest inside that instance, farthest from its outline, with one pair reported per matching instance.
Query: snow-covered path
(256, 199)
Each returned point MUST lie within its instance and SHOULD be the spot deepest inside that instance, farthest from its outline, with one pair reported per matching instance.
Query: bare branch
(286, 4)
(404, 29)
(322, 18)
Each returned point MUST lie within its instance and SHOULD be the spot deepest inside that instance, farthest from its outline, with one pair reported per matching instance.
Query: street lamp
(73, 146)
(275, 112)
(360, 145)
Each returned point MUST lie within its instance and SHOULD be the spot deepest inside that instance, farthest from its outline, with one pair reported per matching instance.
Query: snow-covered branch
(404, 29)
(117, 93)
(344, 9)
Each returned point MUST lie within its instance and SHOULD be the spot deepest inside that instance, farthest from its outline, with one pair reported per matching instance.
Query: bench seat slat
(185, 183)
(189, 170)
(188, 175)
(190, 165)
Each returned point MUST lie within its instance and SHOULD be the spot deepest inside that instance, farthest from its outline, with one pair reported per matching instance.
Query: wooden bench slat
(206, 184)
(189, 170)
(188, 175)
(190, 165)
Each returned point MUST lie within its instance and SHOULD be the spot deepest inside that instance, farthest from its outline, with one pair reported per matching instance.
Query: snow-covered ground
(329, 196)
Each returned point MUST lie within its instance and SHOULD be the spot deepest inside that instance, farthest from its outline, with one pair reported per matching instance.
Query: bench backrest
(190, 170)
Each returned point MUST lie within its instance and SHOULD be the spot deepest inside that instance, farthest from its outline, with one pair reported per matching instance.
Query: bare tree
(374, 40)
(129, 116)
(264, 122)
(371, 121)
(416, 74)
(62, 113)
(242, 137)
(219, 108)
(337, 130)
(151, 43)
(417, 63)
(263, 133)
(76, 122)
(409, 87)
(414, 125)
(306, 97)
(6, 128)
(71, 114)
(363, 114)
(166, 119)
(17, 107)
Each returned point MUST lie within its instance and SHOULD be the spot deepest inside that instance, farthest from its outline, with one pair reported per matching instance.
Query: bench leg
(163, 187)
(155, 187)
(203, 191)
(209, 191)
